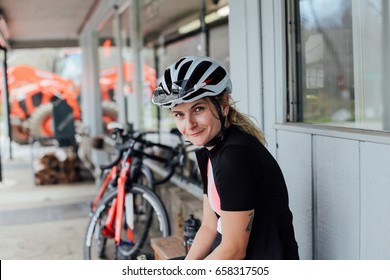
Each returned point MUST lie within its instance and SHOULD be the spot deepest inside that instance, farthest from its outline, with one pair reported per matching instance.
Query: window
(341, 49)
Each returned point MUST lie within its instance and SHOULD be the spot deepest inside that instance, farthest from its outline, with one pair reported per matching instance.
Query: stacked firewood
(56, 168)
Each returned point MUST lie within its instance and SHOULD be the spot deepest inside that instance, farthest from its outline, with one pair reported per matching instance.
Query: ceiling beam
(32, 44)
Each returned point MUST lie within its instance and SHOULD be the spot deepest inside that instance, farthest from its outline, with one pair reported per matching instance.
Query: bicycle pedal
(141, 257)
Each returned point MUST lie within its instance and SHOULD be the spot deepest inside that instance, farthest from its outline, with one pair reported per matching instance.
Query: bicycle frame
(121, 202)
(110, 176)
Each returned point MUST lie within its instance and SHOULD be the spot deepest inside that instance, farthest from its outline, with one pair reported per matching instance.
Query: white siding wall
(296, 164)
(336, 183)
(375, 196)
(345, 184)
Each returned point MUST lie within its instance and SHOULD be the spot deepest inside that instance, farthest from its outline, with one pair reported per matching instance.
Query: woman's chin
(198, 142)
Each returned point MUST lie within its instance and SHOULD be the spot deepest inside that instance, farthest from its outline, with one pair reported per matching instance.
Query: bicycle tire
(146, 227)
(146, 178)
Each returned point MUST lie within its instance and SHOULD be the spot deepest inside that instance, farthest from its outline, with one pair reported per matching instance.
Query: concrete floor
(40, 222)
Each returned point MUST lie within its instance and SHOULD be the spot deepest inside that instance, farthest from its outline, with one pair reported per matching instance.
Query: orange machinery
(30, 88)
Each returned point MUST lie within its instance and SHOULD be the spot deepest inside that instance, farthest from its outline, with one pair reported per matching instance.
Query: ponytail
(242, 121)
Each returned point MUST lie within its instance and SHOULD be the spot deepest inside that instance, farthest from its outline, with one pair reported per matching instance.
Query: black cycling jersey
(248, 177)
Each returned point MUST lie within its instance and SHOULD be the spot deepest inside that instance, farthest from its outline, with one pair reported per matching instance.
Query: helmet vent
(183, 70)
(167, 77)
(197, 93)
(178, 63)
(199, 71)
(217, 76)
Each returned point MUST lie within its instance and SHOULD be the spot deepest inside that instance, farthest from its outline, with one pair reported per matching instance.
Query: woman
(245, 206)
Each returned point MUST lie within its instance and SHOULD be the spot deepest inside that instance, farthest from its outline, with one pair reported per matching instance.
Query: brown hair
(241, 120)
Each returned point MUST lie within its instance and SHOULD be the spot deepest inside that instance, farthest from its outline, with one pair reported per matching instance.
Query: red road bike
(127, 216)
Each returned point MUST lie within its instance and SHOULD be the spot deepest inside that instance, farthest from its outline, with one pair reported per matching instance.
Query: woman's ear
(225, 104)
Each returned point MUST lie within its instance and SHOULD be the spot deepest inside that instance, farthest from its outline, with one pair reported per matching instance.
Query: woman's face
(197, 121)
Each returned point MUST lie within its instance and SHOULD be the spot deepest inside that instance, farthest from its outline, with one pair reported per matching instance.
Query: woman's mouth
(196, 134)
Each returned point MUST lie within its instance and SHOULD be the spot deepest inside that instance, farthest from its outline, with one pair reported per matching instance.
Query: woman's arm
(206, 234)
(236, 228)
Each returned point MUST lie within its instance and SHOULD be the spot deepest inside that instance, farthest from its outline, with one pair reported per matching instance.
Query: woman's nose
(191, 122)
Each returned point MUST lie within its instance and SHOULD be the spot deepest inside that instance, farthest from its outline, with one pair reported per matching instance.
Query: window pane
(342, 57)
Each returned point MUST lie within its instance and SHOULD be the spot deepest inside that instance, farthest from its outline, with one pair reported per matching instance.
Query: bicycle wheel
(150, 220)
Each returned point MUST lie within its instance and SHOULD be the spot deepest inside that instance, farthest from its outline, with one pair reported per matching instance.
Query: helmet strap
(219, 137)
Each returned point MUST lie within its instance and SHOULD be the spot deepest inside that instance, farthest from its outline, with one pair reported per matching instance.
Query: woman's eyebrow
(197, 104)
(175, 111)
(192, 107)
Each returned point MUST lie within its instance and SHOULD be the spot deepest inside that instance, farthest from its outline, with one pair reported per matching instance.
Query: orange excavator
(29, 88)
(32, 91)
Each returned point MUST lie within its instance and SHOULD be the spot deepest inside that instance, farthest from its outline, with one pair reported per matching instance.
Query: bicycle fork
(114, 222)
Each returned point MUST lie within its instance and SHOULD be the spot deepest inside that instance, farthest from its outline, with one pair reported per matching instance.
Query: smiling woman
(245, 195)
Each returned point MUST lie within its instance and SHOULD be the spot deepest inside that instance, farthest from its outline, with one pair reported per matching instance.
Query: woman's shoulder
(239, 143)
(237, 137)
(236, 143)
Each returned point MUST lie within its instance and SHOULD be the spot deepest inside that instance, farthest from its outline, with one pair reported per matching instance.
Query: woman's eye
(178, 115)
(198, 109)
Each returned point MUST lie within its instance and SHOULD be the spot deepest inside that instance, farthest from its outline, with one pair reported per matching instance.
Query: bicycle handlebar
(174, 152)
(114, 162)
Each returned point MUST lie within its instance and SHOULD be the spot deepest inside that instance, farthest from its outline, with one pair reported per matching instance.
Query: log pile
(60, 167)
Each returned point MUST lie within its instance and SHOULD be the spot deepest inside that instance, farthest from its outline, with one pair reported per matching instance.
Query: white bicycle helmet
(189, 79)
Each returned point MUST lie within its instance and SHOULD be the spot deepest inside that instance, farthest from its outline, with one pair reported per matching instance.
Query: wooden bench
(167, 247)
